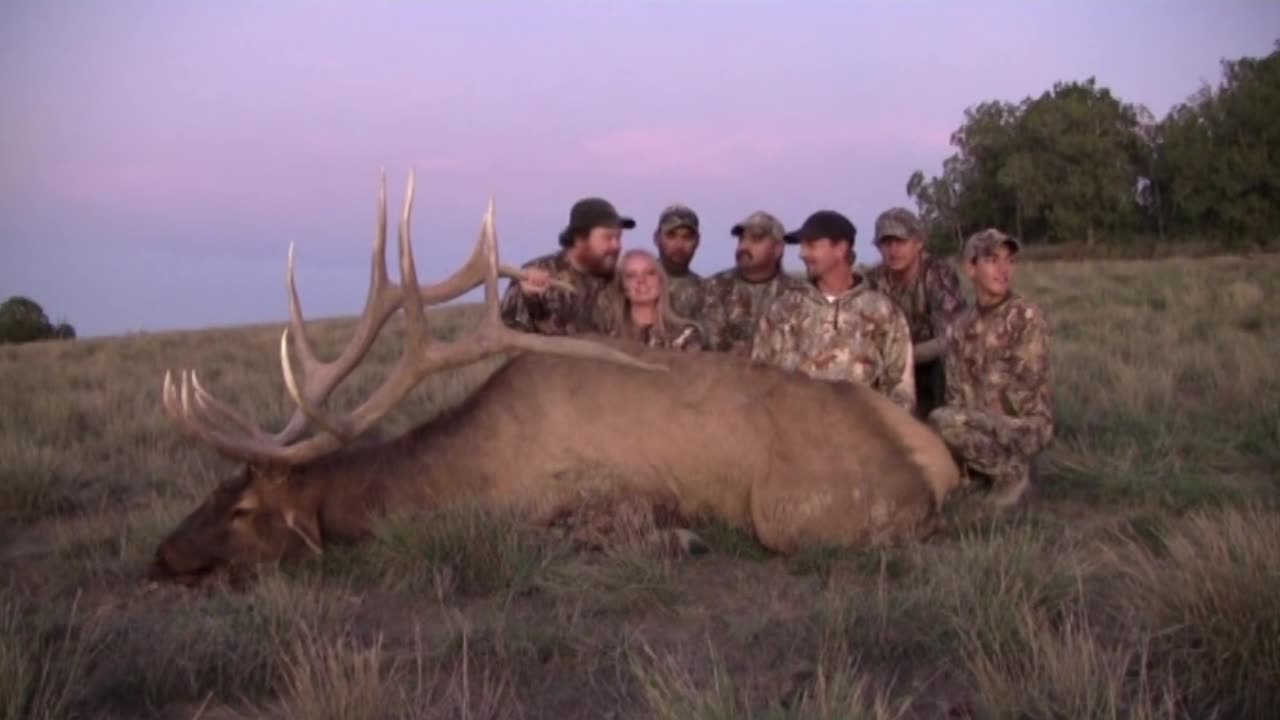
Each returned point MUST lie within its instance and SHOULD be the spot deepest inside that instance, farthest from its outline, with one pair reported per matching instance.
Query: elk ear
(305, 528)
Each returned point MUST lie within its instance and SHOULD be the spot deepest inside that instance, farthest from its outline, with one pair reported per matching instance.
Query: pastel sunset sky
(159, 156)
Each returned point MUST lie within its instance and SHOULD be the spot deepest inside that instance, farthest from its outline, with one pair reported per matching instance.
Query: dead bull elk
(794, 460)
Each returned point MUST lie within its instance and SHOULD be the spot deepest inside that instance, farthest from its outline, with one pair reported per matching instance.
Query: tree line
(22, 320)
(1078, 164)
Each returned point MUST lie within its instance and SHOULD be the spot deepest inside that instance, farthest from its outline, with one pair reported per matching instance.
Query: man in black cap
(589, 247)
(835, 327)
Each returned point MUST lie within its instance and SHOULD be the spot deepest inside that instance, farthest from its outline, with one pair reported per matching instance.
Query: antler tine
(192, 418)
(199, 414)
(296, 323)
(414, 316)
(420, 360)
(225, 411)
(313, 412)
(489, 241)
(320, 378)
(177, 405)
(171, 403)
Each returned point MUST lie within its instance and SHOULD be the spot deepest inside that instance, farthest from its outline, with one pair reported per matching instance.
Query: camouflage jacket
(684, 337)
(557, 311)
(860, 336)
(731, 308)
(685, 292)
(998, 360)
(680, 336)
(931, 302)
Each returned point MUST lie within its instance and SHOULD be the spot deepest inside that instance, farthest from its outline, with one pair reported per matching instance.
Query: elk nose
(161, 568)
(157, 570)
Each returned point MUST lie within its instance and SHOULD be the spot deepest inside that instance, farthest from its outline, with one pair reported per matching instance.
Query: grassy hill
(1142, 582)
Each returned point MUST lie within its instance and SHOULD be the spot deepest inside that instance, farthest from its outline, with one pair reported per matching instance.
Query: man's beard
(675, 265)
(602, 265)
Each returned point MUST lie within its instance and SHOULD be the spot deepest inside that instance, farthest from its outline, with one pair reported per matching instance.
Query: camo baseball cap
(898, 222)
(984, 242)
(593, 212)
(760, 222)
(675, 216)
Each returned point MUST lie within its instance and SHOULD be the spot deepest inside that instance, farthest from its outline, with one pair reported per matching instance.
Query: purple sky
(158, 157)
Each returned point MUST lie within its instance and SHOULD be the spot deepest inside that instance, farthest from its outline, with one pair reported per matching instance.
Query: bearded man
(677, 238)
(734, 299)
(589, 247)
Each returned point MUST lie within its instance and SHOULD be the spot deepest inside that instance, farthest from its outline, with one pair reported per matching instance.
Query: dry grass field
(1143, 581)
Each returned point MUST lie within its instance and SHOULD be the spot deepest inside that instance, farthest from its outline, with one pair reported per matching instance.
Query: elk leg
(600, 521)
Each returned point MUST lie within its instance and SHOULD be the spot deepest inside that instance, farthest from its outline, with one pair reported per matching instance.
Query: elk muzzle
(172, 565)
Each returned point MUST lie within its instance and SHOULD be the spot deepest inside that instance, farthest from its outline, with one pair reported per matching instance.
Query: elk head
(269, 510)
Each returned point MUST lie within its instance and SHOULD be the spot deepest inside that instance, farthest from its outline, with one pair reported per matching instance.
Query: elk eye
(240, 512)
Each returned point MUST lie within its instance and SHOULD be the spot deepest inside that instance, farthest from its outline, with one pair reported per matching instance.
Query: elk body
(793, 460)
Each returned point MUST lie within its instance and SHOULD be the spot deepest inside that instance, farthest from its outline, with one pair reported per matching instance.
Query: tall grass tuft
(1206, 593)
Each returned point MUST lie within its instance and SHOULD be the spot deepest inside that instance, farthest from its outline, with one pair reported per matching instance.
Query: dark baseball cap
(824, 224)
(591, 212)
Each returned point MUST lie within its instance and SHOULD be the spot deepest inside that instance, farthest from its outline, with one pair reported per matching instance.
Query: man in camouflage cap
(733, 300)
(677, 239)
(927, 290)
(997, 417)
(835, 327)
(589, 247)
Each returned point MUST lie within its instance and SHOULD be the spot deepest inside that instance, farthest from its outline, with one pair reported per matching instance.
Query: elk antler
(195, 410)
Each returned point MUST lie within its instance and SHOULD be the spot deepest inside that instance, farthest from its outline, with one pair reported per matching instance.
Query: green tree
(1079, 163)
(1218, 159)
(23, 320)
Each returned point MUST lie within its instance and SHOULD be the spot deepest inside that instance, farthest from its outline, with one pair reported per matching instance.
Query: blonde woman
(637, 305)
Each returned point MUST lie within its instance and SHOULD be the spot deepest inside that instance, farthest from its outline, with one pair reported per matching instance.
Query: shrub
(23, 320)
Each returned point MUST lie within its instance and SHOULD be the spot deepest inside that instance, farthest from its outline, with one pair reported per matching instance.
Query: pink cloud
(689, 152)
(717, 154)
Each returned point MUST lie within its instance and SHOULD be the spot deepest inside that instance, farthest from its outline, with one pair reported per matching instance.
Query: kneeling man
(997, 417)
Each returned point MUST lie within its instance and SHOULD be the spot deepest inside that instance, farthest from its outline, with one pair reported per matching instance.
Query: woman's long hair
(616, 308)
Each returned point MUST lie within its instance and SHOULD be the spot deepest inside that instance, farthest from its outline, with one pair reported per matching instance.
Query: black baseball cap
(824, 224)
(593, 212)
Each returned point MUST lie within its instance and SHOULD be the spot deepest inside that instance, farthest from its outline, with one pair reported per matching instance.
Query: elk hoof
(690, 543)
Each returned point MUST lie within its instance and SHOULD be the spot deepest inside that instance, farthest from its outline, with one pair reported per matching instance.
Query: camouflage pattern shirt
(679, 336)
(684, 337)
(732, 307)
(931, 303)
(557, 311)
(685, 292)
(859, 336)
(998, 361)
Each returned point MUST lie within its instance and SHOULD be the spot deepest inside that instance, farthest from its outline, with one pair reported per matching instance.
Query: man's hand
(534, 282)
